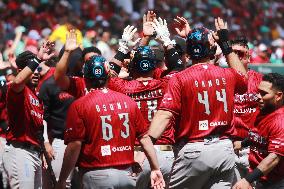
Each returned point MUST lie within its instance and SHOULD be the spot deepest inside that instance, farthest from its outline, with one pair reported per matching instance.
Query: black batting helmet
(96, 68)
(197, 43)
(144, 60)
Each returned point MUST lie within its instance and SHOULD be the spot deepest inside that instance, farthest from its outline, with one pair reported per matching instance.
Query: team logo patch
(203, 125)
(197, 35)
(105, 150)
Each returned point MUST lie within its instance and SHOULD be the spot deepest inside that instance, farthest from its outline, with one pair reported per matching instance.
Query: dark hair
(240, 40)
(276, 79)
(91, 49)
(22, 59)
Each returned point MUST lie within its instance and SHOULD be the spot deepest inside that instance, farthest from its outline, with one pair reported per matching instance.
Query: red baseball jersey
(147, 95)
(202, 96)
(268, 137)
(246, 106)
(107, 122)
(3, 109)
(77, 87)
(25, 112)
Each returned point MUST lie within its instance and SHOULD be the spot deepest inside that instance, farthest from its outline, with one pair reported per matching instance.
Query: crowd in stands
(24, 24)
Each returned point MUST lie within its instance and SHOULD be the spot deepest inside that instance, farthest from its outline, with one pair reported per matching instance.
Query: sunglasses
(241, 54)
(39, 69)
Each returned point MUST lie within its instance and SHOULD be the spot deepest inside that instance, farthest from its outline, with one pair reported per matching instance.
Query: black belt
(24, 145)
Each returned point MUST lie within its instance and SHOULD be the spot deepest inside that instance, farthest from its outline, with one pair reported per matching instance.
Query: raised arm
(222, 38)
(27, 62)
(173, 61)
(264, 167)
(60, 76)
(126, 44)
(148, 30)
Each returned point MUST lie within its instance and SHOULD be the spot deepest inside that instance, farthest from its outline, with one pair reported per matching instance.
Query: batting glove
(126, 43)
(162, 31)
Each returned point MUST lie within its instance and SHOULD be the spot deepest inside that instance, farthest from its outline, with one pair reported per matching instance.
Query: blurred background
(25, 24)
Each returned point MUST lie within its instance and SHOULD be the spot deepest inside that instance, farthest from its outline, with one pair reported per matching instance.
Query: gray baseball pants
(2, 172)
(165, 159)
(23, 167)
(203, 165)
(108, 178)
(59, 150)
(242, 164)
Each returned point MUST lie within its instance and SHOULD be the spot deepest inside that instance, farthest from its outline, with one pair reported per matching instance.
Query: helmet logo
(197, 35)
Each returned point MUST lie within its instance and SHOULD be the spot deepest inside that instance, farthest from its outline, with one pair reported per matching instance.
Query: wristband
(33, 63)
(224, 42)
(120, 56)
(245, 143)
(115, 67)
(154, 140)
(255, 175)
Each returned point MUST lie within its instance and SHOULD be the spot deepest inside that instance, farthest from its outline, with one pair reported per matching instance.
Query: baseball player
(266, 139)
(202, 96)
(148, 92)
(100, 135)
(246, 105)
(3, 128)
(25, 112)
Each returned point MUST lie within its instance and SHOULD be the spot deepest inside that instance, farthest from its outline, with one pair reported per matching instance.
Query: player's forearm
(21, 79)
(60, 76)
(45, 135)
(159, 123)
(268, 163)
(16, 41)
(235, 63)
(71, 155)
(117, 61)
(149, 150)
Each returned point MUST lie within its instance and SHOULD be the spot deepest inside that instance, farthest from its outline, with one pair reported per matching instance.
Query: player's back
(205, 100)
(148, 96)
(111, 121)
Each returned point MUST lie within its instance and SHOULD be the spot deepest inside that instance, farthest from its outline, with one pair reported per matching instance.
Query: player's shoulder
(279, 114)
(254, 74)
(118, 95)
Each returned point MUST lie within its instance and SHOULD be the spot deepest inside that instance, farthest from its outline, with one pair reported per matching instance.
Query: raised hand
(183, 27)
(219, 25)
(242, 184)
(126, 43)
(157, 180)
(45, 51)
(148, 29)
(162, 31)
(71, 41)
